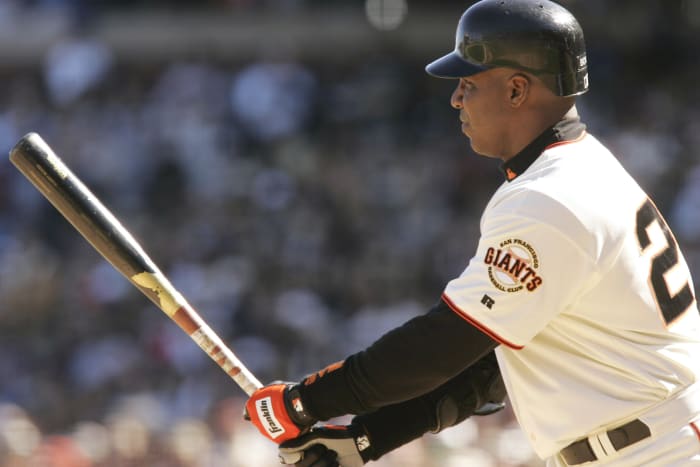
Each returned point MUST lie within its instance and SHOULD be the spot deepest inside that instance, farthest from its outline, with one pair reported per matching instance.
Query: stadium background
(298, 176)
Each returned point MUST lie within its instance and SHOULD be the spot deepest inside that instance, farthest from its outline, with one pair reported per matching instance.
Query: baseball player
(577, 285)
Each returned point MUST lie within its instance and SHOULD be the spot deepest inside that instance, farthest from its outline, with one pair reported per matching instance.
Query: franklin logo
(513, 266)
(263, 406)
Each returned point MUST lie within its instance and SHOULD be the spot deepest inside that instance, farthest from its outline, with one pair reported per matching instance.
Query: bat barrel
(35, 159)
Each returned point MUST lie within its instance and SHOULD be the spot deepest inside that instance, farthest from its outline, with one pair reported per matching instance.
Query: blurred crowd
(302, 207)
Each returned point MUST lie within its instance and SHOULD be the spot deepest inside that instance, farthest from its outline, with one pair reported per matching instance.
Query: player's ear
(518, 89)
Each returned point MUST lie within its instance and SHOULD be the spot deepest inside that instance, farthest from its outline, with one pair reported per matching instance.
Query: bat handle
(208, 341)
(158, 289)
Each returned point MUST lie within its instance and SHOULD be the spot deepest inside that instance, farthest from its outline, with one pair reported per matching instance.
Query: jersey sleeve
(525, 272)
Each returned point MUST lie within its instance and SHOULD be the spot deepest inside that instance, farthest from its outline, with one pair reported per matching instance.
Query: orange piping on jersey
(695, 429)
(561, 143)
(478, 325)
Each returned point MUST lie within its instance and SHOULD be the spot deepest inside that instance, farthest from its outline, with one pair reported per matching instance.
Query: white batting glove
(326, 446)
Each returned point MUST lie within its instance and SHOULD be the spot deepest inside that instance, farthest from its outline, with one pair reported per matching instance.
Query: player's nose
(457, 96)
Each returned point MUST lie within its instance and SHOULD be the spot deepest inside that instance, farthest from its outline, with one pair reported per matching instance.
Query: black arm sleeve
(405, 363)
(394, 425)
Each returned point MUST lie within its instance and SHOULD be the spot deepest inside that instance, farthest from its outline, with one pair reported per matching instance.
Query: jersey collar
(567, 130)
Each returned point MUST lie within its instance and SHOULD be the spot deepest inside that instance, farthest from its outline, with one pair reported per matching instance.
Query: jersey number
(671, 306)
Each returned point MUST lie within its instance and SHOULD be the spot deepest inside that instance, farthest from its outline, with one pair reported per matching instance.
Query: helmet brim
(453, 65)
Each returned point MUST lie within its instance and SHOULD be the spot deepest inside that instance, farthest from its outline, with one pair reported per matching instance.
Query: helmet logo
(475, 52)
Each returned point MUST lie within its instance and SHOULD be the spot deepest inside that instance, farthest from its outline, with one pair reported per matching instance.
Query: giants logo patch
(513, 266)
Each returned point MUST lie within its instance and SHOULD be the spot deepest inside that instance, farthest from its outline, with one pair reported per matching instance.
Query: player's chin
(466, 131)
(479, 145)
(478, 148)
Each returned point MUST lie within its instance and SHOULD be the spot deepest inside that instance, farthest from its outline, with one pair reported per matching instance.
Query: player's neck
(533, 124)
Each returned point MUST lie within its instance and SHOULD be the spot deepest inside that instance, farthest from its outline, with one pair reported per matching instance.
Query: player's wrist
(363, 441)
(296, 408)
(391, 427)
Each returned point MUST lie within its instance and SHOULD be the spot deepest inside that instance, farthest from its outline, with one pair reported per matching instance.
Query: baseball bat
(47, 172)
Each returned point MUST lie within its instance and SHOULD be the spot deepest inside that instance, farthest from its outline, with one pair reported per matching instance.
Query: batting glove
(277, 412)
(328, 446)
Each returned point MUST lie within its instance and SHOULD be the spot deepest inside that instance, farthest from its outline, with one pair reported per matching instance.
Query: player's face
(483, 104)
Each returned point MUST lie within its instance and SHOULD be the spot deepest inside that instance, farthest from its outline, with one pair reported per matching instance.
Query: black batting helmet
(537, 36)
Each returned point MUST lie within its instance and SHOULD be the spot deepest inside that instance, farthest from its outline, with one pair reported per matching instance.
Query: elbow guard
(478, 390)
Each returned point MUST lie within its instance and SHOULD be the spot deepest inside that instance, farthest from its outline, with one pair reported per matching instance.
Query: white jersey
(580, 280)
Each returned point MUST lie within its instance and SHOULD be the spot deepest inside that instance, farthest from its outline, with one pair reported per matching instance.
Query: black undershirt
(426, 351)
(568, 128)
(405, 363)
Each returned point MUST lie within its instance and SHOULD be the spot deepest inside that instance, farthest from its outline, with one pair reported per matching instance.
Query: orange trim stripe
(561, 143)
(478, 325)
(695, 429)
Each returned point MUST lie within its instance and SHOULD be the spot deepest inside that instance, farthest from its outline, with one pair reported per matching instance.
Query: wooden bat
(35, 159)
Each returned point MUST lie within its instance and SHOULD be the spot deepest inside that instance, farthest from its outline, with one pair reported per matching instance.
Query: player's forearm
(406, 363)
(394, 425)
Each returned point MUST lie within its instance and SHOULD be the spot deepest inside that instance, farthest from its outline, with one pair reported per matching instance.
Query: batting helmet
(537, 36)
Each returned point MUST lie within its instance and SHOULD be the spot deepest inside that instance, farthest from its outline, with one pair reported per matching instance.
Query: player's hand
(328, 446)
(277, 412)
